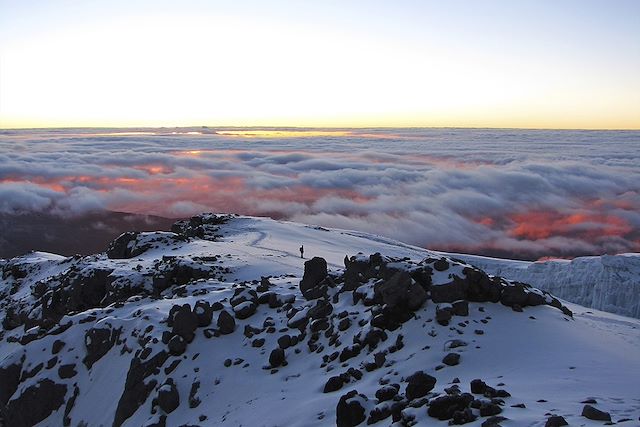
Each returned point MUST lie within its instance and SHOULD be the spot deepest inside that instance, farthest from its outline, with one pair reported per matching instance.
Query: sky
(489, 63)
(523, 194)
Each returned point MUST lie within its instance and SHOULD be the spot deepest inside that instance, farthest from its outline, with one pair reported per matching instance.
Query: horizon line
(317, 127)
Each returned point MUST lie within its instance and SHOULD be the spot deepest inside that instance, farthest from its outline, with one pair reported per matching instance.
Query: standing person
(301, 251)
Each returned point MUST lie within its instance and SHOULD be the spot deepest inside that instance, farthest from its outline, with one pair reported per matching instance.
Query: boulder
(226, 323)
(350, 410)
(315, 271)
(444, 407)
(184, 322)
(168, 398)
(419, 384)
(451, 359)
(595, 414)
(401, 291)
(204, 313)
(276, 358)
(120, 248)
(556, 421)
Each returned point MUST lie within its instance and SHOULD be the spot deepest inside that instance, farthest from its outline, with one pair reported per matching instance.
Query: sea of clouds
(519, 193)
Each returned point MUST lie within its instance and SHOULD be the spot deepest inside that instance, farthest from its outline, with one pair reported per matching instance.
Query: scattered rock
(350, 410)
(226, 323)
(595, 414)
(168, 397)
(451, 359)
(556, 421)
(419, 384)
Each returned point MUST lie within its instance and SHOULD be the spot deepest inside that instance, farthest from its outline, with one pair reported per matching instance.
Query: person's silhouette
(301, 251)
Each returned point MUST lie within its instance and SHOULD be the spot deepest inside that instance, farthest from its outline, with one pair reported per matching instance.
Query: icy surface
(608, 282)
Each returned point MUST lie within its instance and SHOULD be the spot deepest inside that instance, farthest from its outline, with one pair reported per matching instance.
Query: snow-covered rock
(209, 326)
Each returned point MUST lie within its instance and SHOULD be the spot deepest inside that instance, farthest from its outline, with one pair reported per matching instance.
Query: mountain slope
(222, 323)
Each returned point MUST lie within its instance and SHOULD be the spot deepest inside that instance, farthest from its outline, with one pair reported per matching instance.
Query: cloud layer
(503, 192)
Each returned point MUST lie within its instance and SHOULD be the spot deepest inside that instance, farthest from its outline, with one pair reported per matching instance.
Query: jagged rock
(168, 396)
(9, 380)
(35, 404)
(136, 391)
(401, 291)
(478, 386)
(350, 412)
(98, 341)
(419, 384)
(333, 384)
(226, 323)
(462, 417)
(444, 407)
(315, 270)
(322, 309)
(595, 414)
(451, 359)
(556, 421)
(120, 248)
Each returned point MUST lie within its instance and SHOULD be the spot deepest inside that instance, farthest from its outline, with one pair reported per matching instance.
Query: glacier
(608, 283)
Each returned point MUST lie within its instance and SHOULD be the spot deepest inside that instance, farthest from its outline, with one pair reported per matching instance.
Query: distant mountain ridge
(82, 234)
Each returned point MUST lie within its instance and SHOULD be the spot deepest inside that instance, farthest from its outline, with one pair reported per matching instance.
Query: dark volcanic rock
(350, 412)
(226, 323)
(419, 384)
(276, 358)
(98, 342)
(556, 421)
(333, 384)
(120, 247)
(400, 290)
(451, 359)
(67, 371)
(184, 322)
(595, 414)
(168, 397)
(204, 313)
(9, 380)
(322, 309)
(136, 391)
(35, 403)
(315, 270)
(444, 407)
(177, 345)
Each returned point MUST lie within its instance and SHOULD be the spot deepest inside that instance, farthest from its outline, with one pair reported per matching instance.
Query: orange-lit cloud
(432, 188)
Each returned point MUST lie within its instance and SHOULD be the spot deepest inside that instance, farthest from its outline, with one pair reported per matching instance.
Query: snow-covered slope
(223, 323)
(608, 282)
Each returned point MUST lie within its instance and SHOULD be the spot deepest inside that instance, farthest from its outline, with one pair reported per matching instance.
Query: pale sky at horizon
(538, 64)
